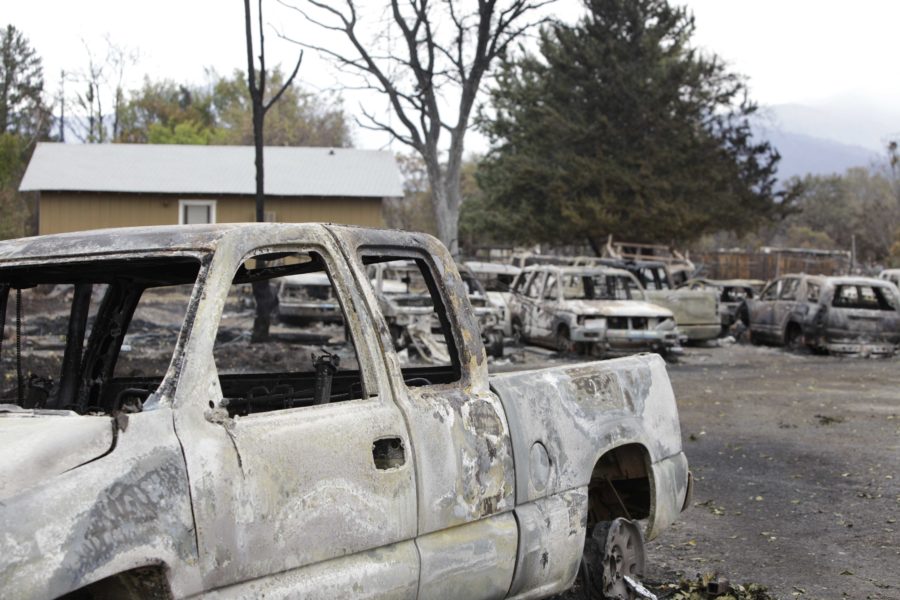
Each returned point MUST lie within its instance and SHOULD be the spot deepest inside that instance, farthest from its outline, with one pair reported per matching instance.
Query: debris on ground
(711, 585)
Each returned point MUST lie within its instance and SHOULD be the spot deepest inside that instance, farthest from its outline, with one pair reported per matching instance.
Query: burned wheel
(518, 332)
(613, 552)
(564, 343)
(493, 344)
(793, 338)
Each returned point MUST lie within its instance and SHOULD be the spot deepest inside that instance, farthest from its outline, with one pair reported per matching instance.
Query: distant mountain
(849, 121)
(805, 154)
(829, 138)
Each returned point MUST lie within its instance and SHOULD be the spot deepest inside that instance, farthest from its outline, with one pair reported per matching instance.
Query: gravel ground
(797, 466)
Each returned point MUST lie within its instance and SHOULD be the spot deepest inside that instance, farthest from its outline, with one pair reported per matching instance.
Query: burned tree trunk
(266, 301)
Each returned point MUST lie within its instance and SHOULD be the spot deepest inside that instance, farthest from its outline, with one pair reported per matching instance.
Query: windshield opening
(600, 287)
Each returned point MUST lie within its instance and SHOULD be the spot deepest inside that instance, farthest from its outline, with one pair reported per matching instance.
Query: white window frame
(210, 203)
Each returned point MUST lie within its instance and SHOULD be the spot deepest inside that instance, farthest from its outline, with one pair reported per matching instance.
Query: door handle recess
(388, 453)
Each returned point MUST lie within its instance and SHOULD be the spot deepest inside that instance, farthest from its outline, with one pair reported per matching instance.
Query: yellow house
(91, 186)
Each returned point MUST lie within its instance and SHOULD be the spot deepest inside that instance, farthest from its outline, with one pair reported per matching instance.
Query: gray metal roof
(180, 169)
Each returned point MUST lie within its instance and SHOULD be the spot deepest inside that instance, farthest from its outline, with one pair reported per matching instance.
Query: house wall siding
(61, 212)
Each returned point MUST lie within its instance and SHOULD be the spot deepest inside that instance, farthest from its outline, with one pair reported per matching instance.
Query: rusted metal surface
(463, 486)
(841, 315)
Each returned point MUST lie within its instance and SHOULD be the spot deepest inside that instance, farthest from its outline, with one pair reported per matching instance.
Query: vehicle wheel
(518, 332)
(564, 343)
(494, 344)
(612, 551)
(743, 315)
(793, 338)
(755, 339)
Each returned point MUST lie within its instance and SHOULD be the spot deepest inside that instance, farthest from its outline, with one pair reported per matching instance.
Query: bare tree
(445, 51)
(266, 300)
(103, 78)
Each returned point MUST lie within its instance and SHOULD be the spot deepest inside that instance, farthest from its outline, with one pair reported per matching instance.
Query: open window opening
(416, 315)
(95, 337)
(309, 357)
(865, 297)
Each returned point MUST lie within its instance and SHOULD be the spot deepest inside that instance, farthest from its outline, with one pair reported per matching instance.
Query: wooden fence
(770, 264)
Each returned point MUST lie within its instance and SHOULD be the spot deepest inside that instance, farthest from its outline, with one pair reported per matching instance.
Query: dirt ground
(797, 466)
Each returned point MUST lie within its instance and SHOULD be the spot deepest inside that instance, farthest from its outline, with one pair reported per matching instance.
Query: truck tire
(612, 550)
(518, 332)
(794, 339)
(564, 343)
(494, 344)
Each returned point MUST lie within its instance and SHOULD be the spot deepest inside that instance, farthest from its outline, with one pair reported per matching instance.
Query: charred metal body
(389, 481)
(732, 295)
(840, 315)
(590, 309)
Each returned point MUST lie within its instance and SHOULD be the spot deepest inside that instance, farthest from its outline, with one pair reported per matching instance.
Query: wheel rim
(623, 555)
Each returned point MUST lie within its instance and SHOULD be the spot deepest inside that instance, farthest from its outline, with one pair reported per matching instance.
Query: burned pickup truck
(199, 463)
(840, 315)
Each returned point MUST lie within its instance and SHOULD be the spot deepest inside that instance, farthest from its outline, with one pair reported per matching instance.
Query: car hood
(616, 308)
(37, 445)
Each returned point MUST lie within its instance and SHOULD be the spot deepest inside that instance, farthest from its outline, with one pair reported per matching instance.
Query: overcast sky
(812, 52)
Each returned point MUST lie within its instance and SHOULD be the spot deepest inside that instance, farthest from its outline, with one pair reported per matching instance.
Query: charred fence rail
(769, 263)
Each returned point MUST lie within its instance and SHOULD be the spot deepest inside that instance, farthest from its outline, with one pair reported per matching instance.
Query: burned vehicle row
(410, 313)
(590, 310)
(696, 311)
(152, 451)
(732, 295)
(496, 279)
(840, 315)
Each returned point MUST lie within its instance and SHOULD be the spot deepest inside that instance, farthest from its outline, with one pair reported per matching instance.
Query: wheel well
(149, 582)
(620, 485)
(791, 327)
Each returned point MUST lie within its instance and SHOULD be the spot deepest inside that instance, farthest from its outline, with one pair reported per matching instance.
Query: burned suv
(590, 310)
(841, 315)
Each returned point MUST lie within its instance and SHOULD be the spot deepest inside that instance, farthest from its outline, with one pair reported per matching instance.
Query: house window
(196, 212)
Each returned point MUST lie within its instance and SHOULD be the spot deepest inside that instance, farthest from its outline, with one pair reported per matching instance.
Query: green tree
(299, 118)
(153, 113)
(15, 208)
(862, 204)
(22, 110)
(618, 125)
(24, 119)
(165, 112)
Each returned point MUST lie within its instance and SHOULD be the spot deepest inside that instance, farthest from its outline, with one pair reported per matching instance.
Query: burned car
(497, 279)
(892, 275)
(191, 462)
(490, 316)
(696, 311)
(590, 310)
(840, 315)
(732, 295)
(307, 297)
(408, 308)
